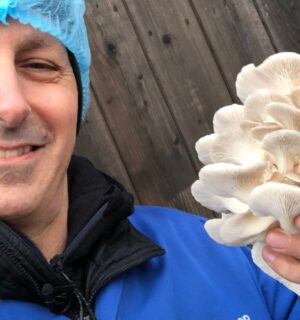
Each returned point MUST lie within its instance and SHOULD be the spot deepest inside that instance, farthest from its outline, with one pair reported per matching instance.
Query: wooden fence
(161, 68)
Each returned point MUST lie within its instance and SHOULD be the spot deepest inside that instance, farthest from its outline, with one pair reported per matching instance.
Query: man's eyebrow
(32, 44)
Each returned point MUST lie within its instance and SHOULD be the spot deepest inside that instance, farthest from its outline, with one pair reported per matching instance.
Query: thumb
(297, 222)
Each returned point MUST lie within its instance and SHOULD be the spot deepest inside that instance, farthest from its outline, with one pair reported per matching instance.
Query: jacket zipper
(71, 248)
(5, 250)
(85, 310)
(31, 247)
(56, 267)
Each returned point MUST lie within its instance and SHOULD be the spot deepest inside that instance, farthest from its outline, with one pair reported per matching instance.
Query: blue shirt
(196, 279)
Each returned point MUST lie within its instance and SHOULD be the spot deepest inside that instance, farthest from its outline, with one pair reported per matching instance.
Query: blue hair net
(63, 19)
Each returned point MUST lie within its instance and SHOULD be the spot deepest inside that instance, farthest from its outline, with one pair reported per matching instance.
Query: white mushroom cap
(277, 177)
(279, 73)
(295, 96)
(260, 262)
(285, 114)
(230, 180)
(255, 105)
(227, 119)
(294, 176)
(213, 227)
(239, 229)
(247, 125)
(258, 130)
(261, 130)
(242, 91)
(237, 148)
(284, 146)
(278, 200)
(203, 148)
(215, 202)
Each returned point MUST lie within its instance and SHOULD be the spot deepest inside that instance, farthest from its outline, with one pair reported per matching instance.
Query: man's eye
(41, 66)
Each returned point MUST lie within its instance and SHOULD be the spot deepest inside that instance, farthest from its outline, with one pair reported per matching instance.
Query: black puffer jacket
(101, 245)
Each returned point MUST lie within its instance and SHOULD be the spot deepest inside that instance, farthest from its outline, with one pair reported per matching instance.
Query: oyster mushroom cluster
(251, 172)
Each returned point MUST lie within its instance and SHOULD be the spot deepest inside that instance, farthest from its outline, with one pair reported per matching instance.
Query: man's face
(38, 113)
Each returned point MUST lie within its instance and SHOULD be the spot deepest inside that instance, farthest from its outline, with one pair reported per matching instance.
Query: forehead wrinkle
(32, 44)
(39, 41)
(29, 38)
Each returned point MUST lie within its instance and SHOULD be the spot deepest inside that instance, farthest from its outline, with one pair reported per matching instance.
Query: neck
(48, 230)
(51, 237)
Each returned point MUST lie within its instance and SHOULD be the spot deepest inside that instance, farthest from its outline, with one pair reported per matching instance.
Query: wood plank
(282, 19)
(191, 206)
(96, 143)
(133, 106)
(182, 63)
(236, 35)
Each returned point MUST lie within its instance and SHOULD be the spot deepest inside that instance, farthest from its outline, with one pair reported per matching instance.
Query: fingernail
(278, 240)
(268, 255)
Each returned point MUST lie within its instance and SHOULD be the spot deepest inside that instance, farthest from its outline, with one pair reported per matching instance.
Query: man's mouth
(16, 152)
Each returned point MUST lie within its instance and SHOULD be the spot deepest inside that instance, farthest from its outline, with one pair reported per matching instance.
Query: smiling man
(72, 244)
(38, 98)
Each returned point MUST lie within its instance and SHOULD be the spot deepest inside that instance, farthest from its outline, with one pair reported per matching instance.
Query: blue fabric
(196, 279)
(63, 19)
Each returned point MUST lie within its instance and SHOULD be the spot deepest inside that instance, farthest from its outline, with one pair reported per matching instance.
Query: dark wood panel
(148, 140)
(236, 35)
(282, 18)
(96, 142)
(190, 206)
(182, 63)
(160, 71)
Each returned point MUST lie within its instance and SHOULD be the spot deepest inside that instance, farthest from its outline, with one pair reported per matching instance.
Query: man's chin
(16, 206)
(16, 175)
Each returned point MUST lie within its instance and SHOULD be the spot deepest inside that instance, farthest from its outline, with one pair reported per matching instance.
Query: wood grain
(235, 33)
(95, 140)
(182, 63)
(134, 108)
(160, 71)
(282, 19)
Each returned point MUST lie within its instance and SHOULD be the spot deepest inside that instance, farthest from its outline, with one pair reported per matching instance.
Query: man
(67, 247)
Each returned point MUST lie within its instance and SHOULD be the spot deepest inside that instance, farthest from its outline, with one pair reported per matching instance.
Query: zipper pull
(48, 294)
(84, 307)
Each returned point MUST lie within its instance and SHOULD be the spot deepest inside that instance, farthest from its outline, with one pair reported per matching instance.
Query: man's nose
(13, 106)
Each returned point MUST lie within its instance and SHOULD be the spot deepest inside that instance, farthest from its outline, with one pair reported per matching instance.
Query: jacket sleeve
(283, 304)
(212, 269)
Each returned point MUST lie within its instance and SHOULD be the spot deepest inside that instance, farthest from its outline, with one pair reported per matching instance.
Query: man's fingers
(286, 266)
(282, 253)
(282, 242)
(297, 222)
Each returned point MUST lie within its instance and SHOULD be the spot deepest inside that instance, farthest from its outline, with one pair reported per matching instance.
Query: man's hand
(282, 253)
